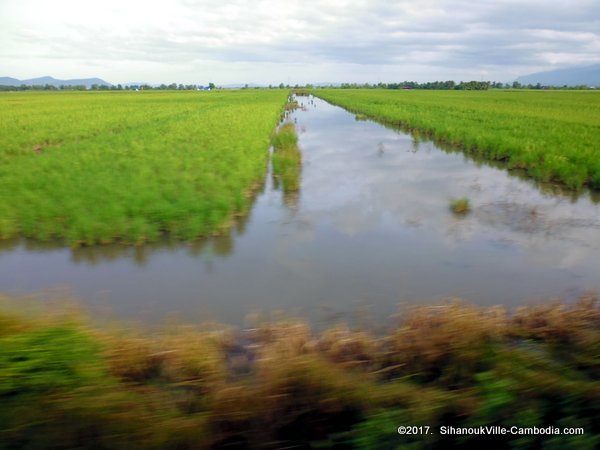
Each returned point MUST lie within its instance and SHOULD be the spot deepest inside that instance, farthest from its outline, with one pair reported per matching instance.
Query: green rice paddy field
(92, 167)
(127, 166)
(552, 135)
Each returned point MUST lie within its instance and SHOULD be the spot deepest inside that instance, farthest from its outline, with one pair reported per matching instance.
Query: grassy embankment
(552, 135)
(127, 166)
(67, 384)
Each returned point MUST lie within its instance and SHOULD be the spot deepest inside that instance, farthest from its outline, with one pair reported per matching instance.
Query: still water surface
(370, 229)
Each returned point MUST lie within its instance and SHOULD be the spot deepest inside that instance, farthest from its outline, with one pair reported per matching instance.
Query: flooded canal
(370, 228)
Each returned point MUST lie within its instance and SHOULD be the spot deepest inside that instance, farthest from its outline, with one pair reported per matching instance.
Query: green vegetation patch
(287, 159)
(95, 167)
(460, 205)
(552, 135)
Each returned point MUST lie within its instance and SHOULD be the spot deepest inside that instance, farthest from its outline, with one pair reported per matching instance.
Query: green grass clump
(460, 205)
(285, 137)
(552, 135)
(97, 167)
(287, 160)
(65, 384)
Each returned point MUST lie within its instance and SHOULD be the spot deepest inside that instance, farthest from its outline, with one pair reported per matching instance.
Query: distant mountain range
(573, 76)
(42, 81)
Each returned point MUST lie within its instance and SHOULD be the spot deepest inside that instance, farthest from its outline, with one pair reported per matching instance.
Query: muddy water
(369, 229)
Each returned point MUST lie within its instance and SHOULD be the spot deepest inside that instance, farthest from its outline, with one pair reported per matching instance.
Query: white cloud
(190, 40)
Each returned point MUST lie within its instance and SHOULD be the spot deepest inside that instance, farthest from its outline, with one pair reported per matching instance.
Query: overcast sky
(290, 41)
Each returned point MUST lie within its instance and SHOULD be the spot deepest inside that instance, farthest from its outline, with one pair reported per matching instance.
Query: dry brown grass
(347, 348)
(448, 342)
(559, 322)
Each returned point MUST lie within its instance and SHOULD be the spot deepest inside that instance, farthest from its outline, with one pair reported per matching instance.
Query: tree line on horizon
(452, 85)
(429, 85)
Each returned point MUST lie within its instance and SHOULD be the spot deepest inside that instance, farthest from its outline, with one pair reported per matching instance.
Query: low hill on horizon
(42, 81)
(572, 76)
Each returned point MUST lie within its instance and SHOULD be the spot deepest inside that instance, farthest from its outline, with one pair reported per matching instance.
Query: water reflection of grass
(222, 244)
(66, 384)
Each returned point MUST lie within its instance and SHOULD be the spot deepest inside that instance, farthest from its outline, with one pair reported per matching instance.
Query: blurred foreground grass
(67, 384)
